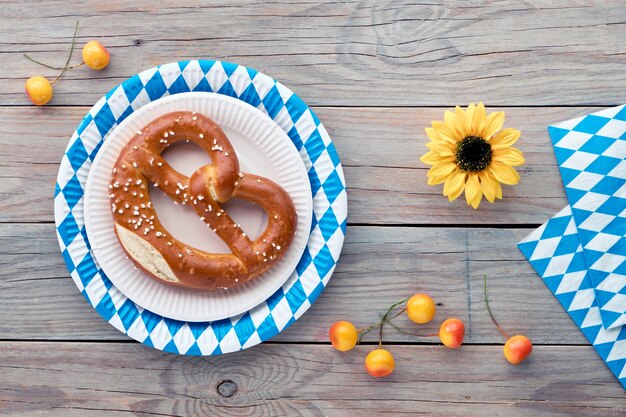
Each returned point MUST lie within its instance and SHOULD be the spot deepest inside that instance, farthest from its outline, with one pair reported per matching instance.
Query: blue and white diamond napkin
(581, 252)
(590, 151)
(554, 250)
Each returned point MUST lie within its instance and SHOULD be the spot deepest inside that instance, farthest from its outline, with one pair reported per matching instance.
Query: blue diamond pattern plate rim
(328, 227)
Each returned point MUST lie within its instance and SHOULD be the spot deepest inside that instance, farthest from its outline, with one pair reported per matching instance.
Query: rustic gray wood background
(376, 72)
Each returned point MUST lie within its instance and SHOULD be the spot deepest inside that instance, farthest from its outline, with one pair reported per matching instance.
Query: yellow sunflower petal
(461, 121)
(506, 174)
(431, 158)
(489, 185)
(473, 194)
(455, 183)
(444, 132)
(510, 156)
(452, 125)
(499, 191)
(449, 118)
(493, 123)
(476, 202)
(432, 134)
(505, 138)
(434, 180)
(478, 120)
(469, 113)
(442, 169)
(446, 185)
(442, 148)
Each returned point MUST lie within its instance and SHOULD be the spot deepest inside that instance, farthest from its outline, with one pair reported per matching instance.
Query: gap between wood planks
(289, 342)
(386, 225)
(385, 106)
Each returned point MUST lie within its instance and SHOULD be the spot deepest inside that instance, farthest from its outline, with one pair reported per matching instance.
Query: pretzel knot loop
(152, 248)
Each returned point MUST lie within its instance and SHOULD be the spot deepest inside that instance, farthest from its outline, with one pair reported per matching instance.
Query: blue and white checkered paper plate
(329, 208)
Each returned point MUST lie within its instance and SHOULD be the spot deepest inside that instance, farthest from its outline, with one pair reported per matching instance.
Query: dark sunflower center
(473, 154)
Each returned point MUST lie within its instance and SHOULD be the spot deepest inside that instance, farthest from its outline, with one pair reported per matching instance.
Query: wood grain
(379, 147)
(376, 73)
(379, 265)
(358, 53)
(77, 379)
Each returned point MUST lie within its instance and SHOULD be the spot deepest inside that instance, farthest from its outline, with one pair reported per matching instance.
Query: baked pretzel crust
(153, 249)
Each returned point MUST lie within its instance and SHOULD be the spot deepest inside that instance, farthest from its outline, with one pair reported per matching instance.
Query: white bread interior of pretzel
(153, 249)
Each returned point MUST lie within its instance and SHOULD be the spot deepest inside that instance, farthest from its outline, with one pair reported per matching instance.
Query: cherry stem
(401, 330)
(489, 309)
(67, 63)
(368, 329)
(50, 66)
(384, 319)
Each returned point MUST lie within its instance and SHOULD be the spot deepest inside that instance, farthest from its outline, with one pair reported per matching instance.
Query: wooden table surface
(376, 73)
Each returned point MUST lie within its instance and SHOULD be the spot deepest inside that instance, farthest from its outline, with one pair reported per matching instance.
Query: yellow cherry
(379, 363)
(420, 308)
(95, 55)
(39, 90)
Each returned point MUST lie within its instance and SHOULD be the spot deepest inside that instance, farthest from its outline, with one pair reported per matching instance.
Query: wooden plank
(339, 53)
(379, 147)
(95, 379)
(379, 265)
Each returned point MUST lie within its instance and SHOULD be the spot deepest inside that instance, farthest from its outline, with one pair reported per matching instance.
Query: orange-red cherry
(452, 332)
(517, 348)
(343, 335)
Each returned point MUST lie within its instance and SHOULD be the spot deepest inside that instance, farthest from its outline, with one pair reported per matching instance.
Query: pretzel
(153, 249)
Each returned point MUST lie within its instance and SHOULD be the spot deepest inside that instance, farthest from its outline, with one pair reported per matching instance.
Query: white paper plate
(262, 148)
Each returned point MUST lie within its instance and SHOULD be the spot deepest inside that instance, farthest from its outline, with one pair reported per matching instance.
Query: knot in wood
(227, 388)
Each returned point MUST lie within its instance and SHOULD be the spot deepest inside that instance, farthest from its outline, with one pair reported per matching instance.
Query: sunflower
(469, 151)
